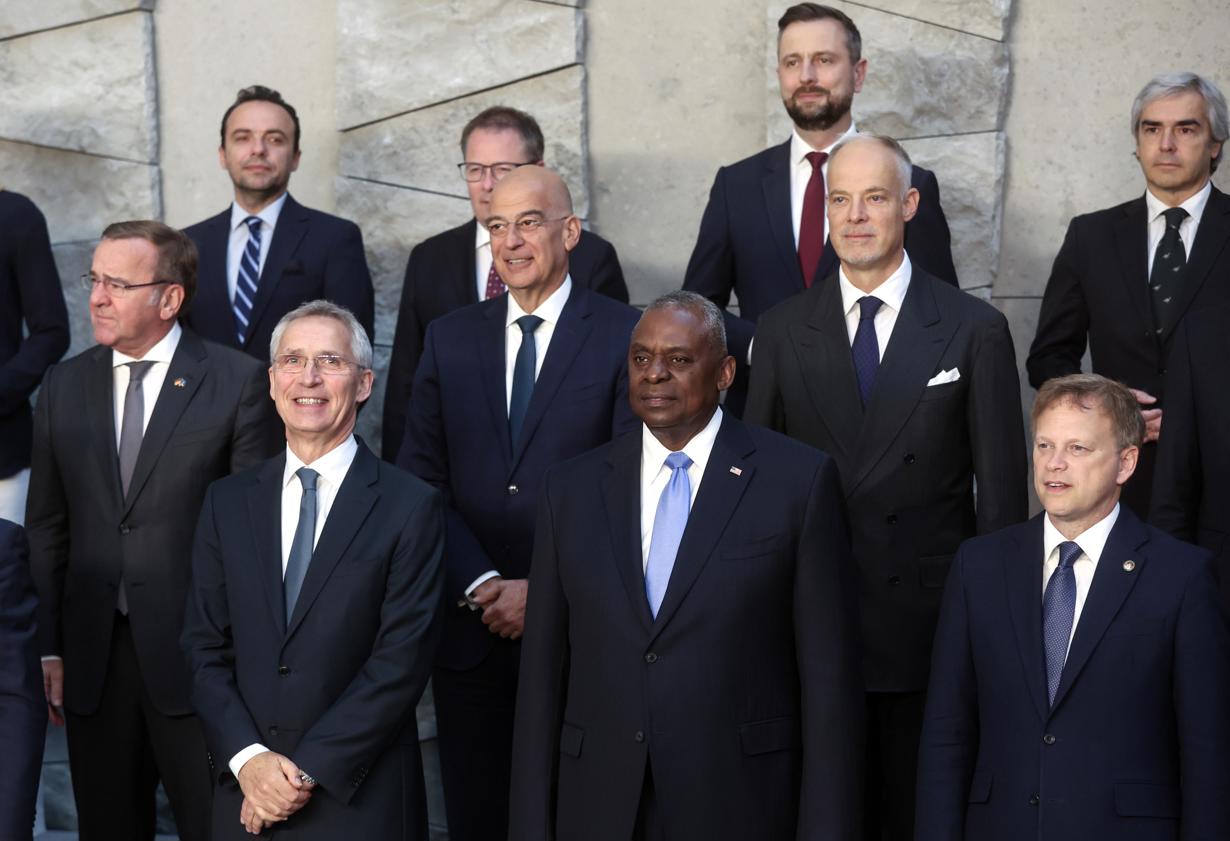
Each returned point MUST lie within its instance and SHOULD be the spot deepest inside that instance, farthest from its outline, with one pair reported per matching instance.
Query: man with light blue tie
(690, 664)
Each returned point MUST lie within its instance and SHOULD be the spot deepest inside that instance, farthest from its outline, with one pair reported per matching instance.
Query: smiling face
(532, 263)
(866, 210)
(1175, 146)
(815, 75)
(258, 151)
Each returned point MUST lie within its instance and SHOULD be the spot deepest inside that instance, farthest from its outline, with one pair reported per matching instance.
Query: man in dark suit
(23, 712)
(313, 614)
(507, 388)
(764, 234)
(1082, 663)
(691, 661)
(455, 268)
(127, 436)
(30, 298)
(1126, 276)
(912, 386)
(266, 254)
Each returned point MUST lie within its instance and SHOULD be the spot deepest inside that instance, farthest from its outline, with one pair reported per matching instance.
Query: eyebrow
(1177, 123)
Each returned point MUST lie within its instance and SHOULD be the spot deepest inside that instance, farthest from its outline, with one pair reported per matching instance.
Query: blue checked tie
(523, 376)
(668, 525)
(1058, 608)
(248, 279)
(302, 544)
(865, 349)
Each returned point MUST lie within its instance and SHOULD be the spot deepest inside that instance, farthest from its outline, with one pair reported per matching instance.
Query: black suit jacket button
(273, 731)
(891, 519)
(894, 580)
(910, 458)
(640, 735)
(513, 490)
(1049, 739)
(651, 657)
(1034, 800)
(283, 670)
(125, 528)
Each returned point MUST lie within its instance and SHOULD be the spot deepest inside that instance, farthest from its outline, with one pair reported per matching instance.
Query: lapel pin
(180, 382)
(736, 471)
(1128, 566)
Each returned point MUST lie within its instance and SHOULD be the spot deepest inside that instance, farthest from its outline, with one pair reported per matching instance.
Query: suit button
(894, 580)
(283, 670)
(513, 490)
(891, 519)
(640, 735)
(1034, 800)
(651, 657)
(909, 458)
(273, 731)
(125, 528)
(1049, 739)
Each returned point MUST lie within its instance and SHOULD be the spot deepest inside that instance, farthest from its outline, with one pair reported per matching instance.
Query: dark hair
(801, 12)
(710, 316)
(503, 118)
(1090, 391)
(260, 93)
(176, 252)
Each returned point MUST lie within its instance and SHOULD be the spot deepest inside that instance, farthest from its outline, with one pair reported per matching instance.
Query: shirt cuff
(47, 657)
(240, 759)
(474, 585)
(751, 344)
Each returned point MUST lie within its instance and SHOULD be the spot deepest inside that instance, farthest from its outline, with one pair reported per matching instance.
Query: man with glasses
(507, 388)
(127, 436)
(455, 268)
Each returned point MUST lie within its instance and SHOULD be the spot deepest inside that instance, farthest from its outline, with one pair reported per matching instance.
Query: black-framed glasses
(527, 226)
(326, 363)
(474, 172)
(116, 286)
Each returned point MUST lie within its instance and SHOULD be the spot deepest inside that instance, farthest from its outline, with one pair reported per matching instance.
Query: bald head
(532, 230)
(545, 185)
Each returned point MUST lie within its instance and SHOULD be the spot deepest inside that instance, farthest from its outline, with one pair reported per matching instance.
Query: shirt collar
(1194, 204)
(1092, 540)
(482, 236)
(891, 292)
(269, 215)
(800, 147)
(161, 352)
(549, 310)
(333, 465)
(698, 448)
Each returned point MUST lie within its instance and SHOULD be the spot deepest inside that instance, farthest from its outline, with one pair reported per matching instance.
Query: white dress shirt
(331, 468)
(655, 475)
(151, 385)
(891, 292)
(800, 174)
(239, 239)
(483, 259)
(1155, 207)
(1092, 541)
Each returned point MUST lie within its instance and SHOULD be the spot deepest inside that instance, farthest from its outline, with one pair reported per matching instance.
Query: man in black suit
(23, 712)
(691, 659)
(764, 234)
(29, 292)
(455, 268)
(506, 389)
(1126, 276)
(912, 386)
(1082, 663)
(266, 254)
(314, 612)
(127, 436)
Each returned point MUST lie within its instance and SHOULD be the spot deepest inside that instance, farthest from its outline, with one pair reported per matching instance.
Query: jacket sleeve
(1179, 475)
(927, 238)
(764, 398)
(997, 429)
(258, 432)
(1063, 321)
(403, 360)
(347, 279)
(47, 522)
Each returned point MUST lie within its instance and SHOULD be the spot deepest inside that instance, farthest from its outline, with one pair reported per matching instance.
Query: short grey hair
(710, 316)
(1170, 84)
(360, 345)
(905, 167)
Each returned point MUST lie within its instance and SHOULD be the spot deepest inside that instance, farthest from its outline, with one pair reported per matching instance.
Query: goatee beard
(825, 118)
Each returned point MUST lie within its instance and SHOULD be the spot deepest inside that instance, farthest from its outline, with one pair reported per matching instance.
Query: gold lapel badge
(1128, 566)
(180, 382)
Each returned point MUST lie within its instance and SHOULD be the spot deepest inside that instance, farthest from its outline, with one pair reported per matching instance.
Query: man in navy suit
(506, 388)
(313, 615)
(764, 234)
(691, 655)
(1081, 674)
(455, 268)
(23, 712)
(266, 254)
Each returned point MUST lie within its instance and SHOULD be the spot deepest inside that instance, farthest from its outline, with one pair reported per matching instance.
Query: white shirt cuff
(47, 657)
(240, 759)
(751, 344)
(475, 584)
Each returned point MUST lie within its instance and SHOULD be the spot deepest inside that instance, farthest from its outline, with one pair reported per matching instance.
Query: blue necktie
(1058, 609)
(523, 376)
(865, 349)
(248, 279)
(301, 546)
(668, 525)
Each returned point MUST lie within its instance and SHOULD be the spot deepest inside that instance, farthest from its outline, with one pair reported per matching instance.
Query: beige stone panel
(987, 18)
(395, 56)
(72, 261)
(22, 16)
(421, 150)
(87, 88)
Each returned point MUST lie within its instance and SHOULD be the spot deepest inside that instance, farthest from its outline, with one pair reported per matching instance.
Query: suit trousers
(894, 726)
(118, 754)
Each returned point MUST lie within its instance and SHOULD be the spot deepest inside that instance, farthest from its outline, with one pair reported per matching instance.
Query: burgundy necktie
(495, 286)
(811, 227)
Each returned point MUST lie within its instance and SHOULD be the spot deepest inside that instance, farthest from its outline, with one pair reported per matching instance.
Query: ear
(171, 301)
(860, 74)
(365, 385)
(294, 161)
(909, 207)
(726, 373)
(273, 391)
(222, 156)
(572, 232)
(1128, 457)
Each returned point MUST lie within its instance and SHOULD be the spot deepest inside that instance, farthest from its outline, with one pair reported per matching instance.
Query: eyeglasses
(115, 287)
(326, 363)
(475, 172)
(527, 226)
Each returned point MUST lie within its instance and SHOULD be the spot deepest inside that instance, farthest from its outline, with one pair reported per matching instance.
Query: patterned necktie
(668, 525)
(302, 544)
(132, 431)
(523, 376)
(248, 279)
(495, 286)
(811, 226)
(865, 349)
(1058, 610)
(1167, 275)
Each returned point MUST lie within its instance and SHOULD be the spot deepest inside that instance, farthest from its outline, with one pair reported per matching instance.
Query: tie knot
(137, 371)
(1174, 217)
(817, 159)
(254, 225)
(868, 306)
(307, 476)
(1068, 553)
(676, 461)
(528, 324)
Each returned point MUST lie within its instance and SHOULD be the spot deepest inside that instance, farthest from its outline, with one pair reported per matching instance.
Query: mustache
(810, 89)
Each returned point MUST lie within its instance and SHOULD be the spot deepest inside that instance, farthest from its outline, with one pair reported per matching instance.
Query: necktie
(1167, 274)
(1058, 609)
(523, 376)
(132, 430)
(668, 525)
(495, 286)
(248, 279)
(301, 546)
(865, 348)
(811, 226)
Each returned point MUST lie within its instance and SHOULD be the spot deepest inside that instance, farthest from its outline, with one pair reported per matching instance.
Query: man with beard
(764, 234)
(266, 254)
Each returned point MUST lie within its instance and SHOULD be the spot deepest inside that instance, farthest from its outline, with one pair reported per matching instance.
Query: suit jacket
(440, 279)
(23, 712)
(29, 292)
(743, 694)
(313, 255)
(457, 437)
(84, 533)
(1136, 742)
(335, 686)
(908, 462)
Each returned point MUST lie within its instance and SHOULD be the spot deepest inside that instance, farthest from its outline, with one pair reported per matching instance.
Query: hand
(53, 690)
(505, 613)
(247, 817)
(1152, 417)
(272, 788)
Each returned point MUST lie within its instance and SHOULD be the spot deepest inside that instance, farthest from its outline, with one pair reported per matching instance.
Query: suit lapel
(1132, 239)
(823, 351)
(100, 392)
(1211, 239)
(287, 234)
(776, 186)
(464, 263)
(621, 493)
(493, 349)
(265, 528)
(828, 263)
(1023, 585)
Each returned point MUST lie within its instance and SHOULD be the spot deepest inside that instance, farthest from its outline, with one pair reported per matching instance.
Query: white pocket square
(944, 377)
